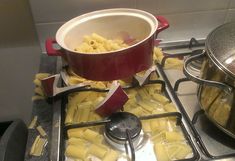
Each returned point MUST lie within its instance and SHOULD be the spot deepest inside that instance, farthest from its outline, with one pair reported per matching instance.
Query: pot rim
(210, 54)
(65, 28)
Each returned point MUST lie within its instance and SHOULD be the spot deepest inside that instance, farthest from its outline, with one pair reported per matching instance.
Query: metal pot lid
(220, 46)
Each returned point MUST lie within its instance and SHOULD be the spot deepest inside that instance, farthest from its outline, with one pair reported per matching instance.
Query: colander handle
(201, 81)
(51, 51)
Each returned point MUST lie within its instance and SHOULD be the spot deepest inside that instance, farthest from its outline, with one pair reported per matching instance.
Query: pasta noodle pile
(169, 142)
(95, 44)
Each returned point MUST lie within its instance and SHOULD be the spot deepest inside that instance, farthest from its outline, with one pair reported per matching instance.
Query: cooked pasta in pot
(97, 44)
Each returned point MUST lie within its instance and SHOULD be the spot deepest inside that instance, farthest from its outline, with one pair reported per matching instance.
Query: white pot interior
(109, 24)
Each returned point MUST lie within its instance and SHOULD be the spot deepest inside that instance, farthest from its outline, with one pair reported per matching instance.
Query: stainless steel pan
(217, 78)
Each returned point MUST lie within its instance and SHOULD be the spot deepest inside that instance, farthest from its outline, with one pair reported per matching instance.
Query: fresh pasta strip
(170, 107)
(70, 114)
(90, 135)
(111, 156)
(42, 75)
(77, 133)
(160, 98)
(41, 131)
(77, 152)
(161, 152)
(184, 150)
(39, 91)
(33, 122)
(85, 115)
(37, 97)
(174, 136)
(38, 146)
(170, 62)
(77, 141)
(95, 43)
(37, 82)
(34, 145)
(98, 151)
(146, 126)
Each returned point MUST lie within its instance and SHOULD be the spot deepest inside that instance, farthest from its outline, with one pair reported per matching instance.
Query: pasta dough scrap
(41, 131)
(33, 122)
(38, 146)
(161, 152)
(90, 135)
(111, 156)
(97, 150)
(77, 141)
(78, 133)
(78, 152)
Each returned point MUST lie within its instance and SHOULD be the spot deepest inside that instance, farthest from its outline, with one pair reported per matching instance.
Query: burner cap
(120, 122)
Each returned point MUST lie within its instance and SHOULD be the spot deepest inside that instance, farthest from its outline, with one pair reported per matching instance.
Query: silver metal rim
(212, 56)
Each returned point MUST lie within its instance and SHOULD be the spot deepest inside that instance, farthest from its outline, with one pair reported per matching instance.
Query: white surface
(17, 68)
(19, 59)
(63, 10)
(230, 15)
(181, 6)
(232, 4)
(187, 18)
(188, 25)
(182, 26)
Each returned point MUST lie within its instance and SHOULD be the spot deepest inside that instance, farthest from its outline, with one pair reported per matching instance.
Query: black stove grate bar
(168, 114)
(177, 83)
(193, 42)
(182, 45)
(131, 145)
(196, 115)
(86, 124)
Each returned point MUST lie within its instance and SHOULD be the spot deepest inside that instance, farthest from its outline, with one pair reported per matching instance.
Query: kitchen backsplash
(187, 18)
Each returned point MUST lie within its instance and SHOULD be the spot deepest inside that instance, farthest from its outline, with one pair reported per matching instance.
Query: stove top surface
(207, 141)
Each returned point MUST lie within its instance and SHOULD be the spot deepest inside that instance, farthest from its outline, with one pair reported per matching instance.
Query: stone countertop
(44, 110)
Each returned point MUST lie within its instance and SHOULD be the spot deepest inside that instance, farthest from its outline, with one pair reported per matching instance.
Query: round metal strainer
(220, 46)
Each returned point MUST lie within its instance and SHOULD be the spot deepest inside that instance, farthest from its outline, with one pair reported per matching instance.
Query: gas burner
(120, 123)
(120, 126)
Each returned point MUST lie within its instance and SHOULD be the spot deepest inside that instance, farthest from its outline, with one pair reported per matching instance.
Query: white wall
(187, 18)
(19, 59)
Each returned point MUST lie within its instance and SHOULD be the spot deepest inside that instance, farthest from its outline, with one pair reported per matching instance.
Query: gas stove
(206, 141)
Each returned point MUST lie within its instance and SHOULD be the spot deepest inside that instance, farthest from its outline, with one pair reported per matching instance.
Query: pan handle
(201, 81)
(163, 24)
(49, 48)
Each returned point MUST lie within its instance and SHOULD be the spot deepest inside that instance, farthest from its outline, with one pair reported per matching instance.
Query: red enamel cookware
(110, 23)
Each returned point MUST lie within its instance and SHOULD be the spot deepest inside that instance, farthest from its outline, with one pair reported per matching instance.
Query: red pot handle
(49, 48)
(163, 24)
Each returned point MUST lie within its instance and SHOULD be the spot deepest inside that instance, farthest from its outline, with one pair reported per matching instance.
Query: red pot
(109, 23)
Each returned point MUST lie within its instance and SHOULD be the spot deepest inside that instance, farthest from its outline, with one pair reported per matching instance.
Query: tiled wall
(187, 18)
